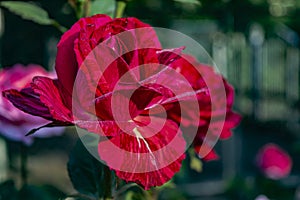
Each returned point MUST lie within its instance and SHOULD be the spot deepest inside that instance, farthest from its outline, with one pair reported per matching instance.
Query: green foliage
(171, 193)
(132, 191)
(197, 2)
(195, 162)
(103, 7)
(120, 9)
(8, 191)
(29, 192)
(251, 187)
(32, 12)
(28, 11)
(86, 172)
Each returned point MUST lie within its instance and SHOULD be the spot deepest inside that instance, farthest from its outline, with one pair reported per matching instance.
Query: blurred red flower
(274, 162)
(93, 96)
(14, 124)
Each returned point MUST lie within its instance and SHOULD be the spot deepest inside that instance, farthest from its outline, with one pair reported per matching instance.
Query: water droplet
(90, 25)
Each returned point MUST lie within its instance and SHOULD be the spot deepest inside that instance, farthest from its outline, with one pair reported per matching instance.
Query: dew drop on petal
(90, 25)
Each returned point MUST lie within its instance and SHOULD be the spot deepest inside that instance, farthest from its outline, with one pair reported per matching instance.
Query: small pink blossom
(274, 162)
(14, 123)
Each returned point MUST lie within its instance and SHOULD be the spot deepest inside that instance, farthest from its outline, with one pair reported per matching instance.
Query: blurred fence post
(3, 160)
(292, 88)
(256, 41)
(1, 33)
(3, 153)
(292, 74)
(219, 52)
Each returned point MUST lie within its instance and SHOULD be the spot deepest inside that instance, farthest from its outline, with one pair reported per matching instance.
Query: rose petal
(149, 161)
(49, 94)
(66, 65)
(28, 101)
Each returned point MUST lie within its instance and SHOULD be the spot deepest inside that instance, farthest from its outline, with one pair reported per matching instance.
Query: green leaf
(195, 162)
(107, 7)
(86, 172)
(8, 190)
(28, 11)
(129, 195)
(197, 2)
(132, 191)
(171, 193)
(53, 192)
(79, 197)
(121, 5)
(169, 184)
(29, 192)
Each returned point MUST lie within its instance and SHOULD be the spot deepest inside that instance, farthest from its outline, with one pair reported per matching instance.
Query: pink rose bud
(274, 162)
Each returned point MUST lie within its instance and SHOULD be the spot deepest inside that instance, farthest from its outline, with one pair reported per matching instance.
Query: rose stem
(120, 7)
(23, 164)
(107, 183)
(59, 27)
(79, 9)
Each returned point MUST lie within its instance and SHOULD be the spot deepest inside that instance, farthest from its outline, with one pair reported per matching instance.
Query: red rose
(274, 162)
(116, 81)
(217, 87)
(14, 124)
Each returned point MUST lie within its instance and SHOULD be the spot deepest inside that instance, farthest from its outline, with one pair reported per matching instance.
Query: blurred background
(254, 43)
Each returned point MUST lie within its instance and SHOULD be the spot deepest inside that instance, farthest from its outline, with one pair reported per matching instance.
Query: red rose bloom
(274, 162)
(141, 97)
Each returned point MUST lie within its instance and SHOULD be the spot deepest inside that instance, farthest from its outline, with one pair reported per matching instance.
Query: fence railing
(264, 72)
